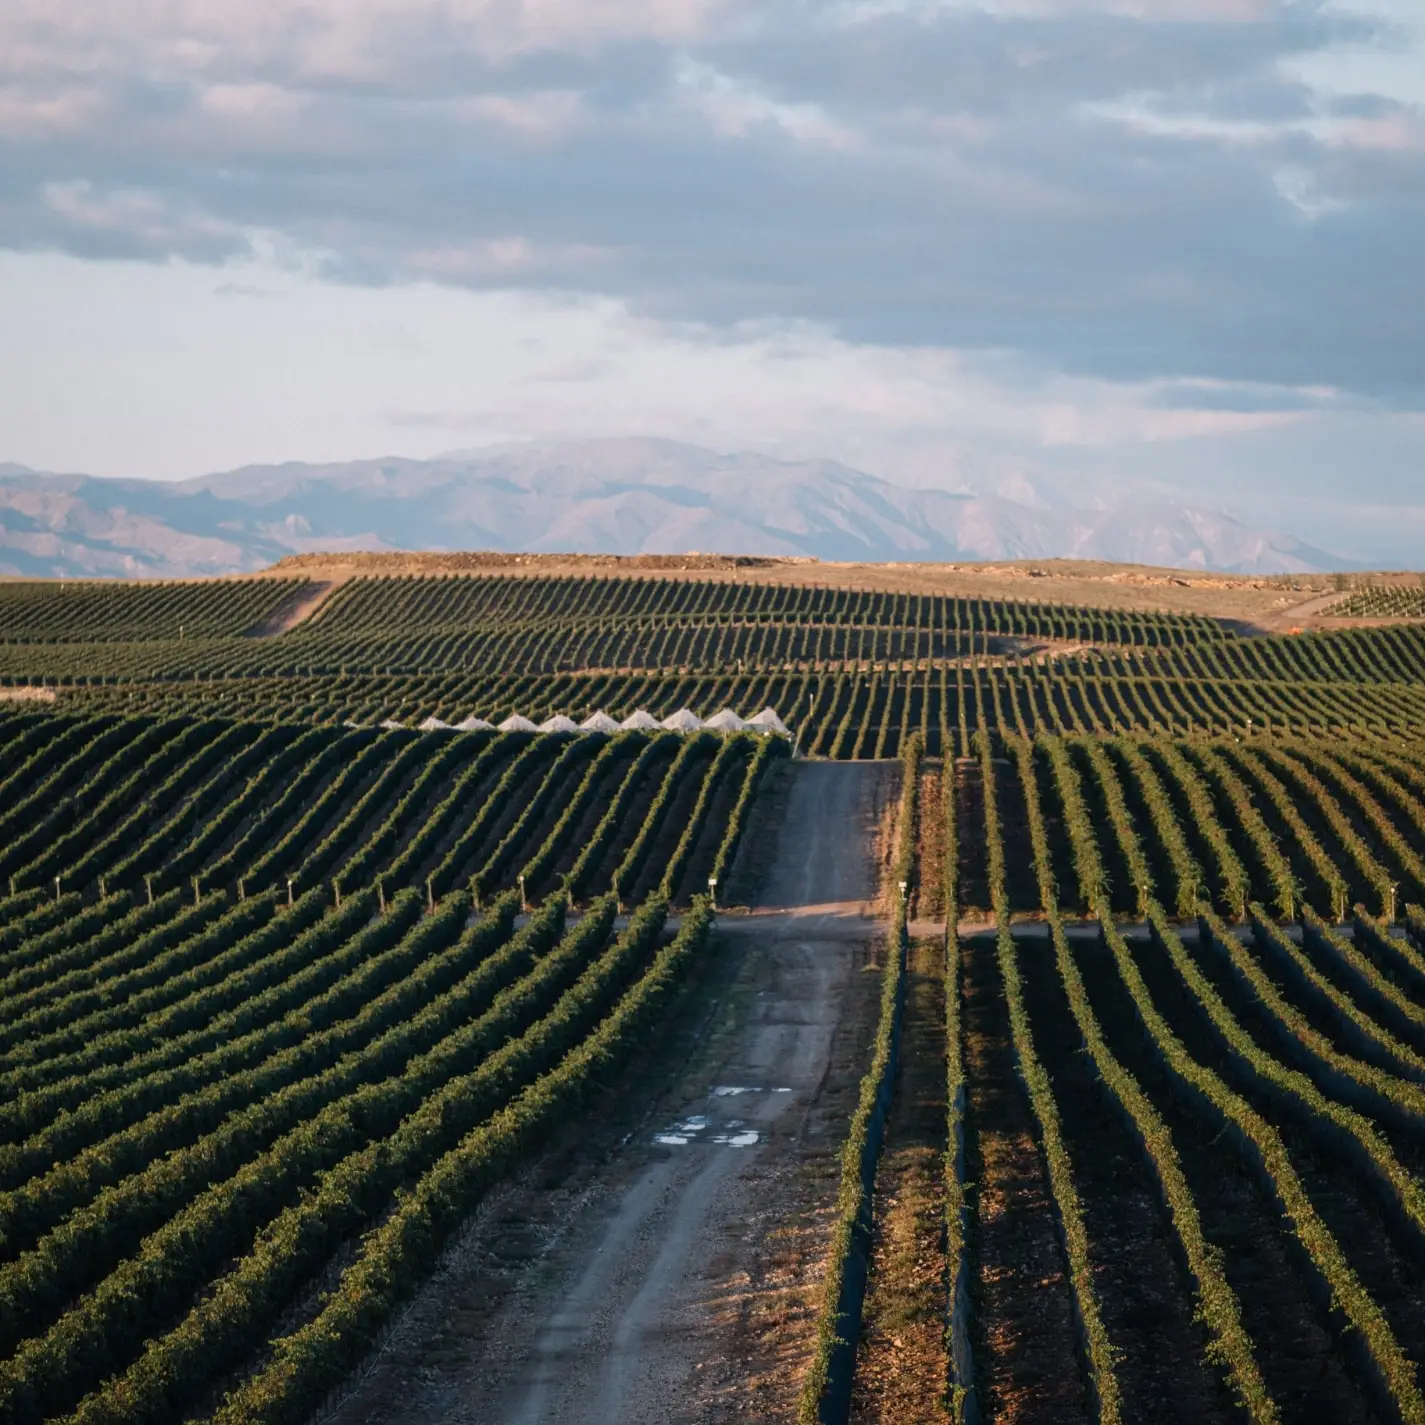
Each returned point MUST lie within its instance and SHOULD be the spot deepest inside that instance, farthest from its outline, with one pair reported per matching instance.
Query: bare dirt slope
(674, 1274)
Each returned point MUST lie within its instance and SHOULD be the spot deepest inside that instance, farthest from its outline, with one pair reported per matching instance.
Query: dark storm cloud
(1098, 194)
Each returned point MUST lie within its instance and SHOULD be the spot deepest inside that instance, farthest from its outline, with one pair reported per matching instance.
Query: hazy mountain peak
(619, 496)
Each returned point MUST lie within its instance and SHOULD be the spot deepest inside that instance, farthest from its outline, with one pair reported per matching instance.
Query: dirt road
(677, 1279)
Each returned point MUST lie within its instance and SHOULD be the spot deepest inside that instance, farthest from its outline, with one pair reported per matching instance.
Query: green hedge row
(1365, 1038)
(445, 815)
(1365, 1326)
(1217, 1303)
(767, 749)
(728, 754)
(245, 821)
(476, 831)
(124, 1043)
(1096, 1348)
(1385, 1002)
(577, 878)
(825, 1397)
(537, 868)
(627, 875)
(145, 950)
(497, 867)
(393, 1259)
(251, 1181)
(415, 801)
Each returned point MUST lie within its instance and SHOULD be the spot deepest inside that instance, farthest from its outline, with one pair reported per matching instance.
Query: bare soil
(1145, 1294)
(630, 1276)
(901, 1366)
(298, 609)
(1026, 1352)
(1296, 1348)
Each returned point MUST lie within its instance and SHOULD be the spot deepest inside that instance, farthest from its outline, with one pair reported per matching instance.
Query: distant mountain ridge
(633, 496)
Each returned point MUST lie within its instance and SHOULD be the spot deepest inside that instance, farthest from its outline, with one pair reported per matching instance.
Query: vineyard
(1183, 1126)
(291, 983)
(1383, 601)
(853, 673)
(279, 1003)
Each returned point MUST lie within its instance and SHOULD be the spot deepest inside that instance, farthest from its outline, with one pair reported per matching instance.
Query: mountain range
(596, 496)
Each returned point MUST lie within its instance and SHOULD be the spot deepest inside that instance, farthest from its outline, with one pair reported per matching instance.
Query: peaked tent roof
(472, 724)
(643, 721)
(598, 722)
(684, 720)
(431, 724)
(516, 723)
(559, 723)
(769, 720)
(725, 721)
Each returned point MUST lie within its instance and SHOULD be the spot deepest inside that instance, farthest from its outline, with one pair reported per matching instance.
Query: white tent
(559, 723)
(683, 721)
(391, 724)
(516, 723)
(725, 721)
(598, 722)
(472, 724)
(432, 724)
(641, 722)
(768, 721)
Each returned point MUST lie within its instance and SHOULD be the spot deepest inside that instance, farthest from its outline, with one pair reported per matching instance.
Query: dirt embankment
(664, 1262)
(298, 609)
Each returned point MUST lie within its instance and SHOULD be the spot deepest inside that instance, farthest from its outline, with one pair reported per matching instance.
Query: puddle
(682, 1133)
(691, 1129)
(733, 1090)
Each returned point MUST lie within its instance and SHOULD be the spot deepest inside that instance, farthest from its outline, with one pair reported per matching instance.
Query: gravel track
(677, 1280)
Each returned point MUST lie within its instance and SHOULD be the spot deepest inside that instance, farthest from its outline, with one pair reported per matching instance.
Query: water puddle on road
(682, 1133)
(732, 1134)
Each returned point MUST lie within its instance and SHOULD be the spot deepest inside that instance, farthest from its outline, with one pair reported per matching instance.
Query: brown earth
(624, 1278)
(901, 1363)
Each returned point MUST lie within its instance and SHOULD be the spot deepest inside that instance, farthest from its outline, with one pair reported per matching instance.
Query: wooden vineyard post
(148, 885)
(289, 892)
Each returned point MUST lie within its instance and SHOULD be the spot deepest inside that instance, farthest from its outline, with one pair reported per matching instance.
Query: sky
(1113, 247)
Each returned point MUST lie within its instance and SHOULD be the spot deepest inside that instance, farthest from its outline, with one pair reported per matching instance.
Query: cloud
(1130, 191)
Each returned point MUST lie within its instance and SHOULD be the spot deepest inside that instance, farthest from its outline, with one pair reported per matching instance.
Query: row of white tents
(681, 721)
